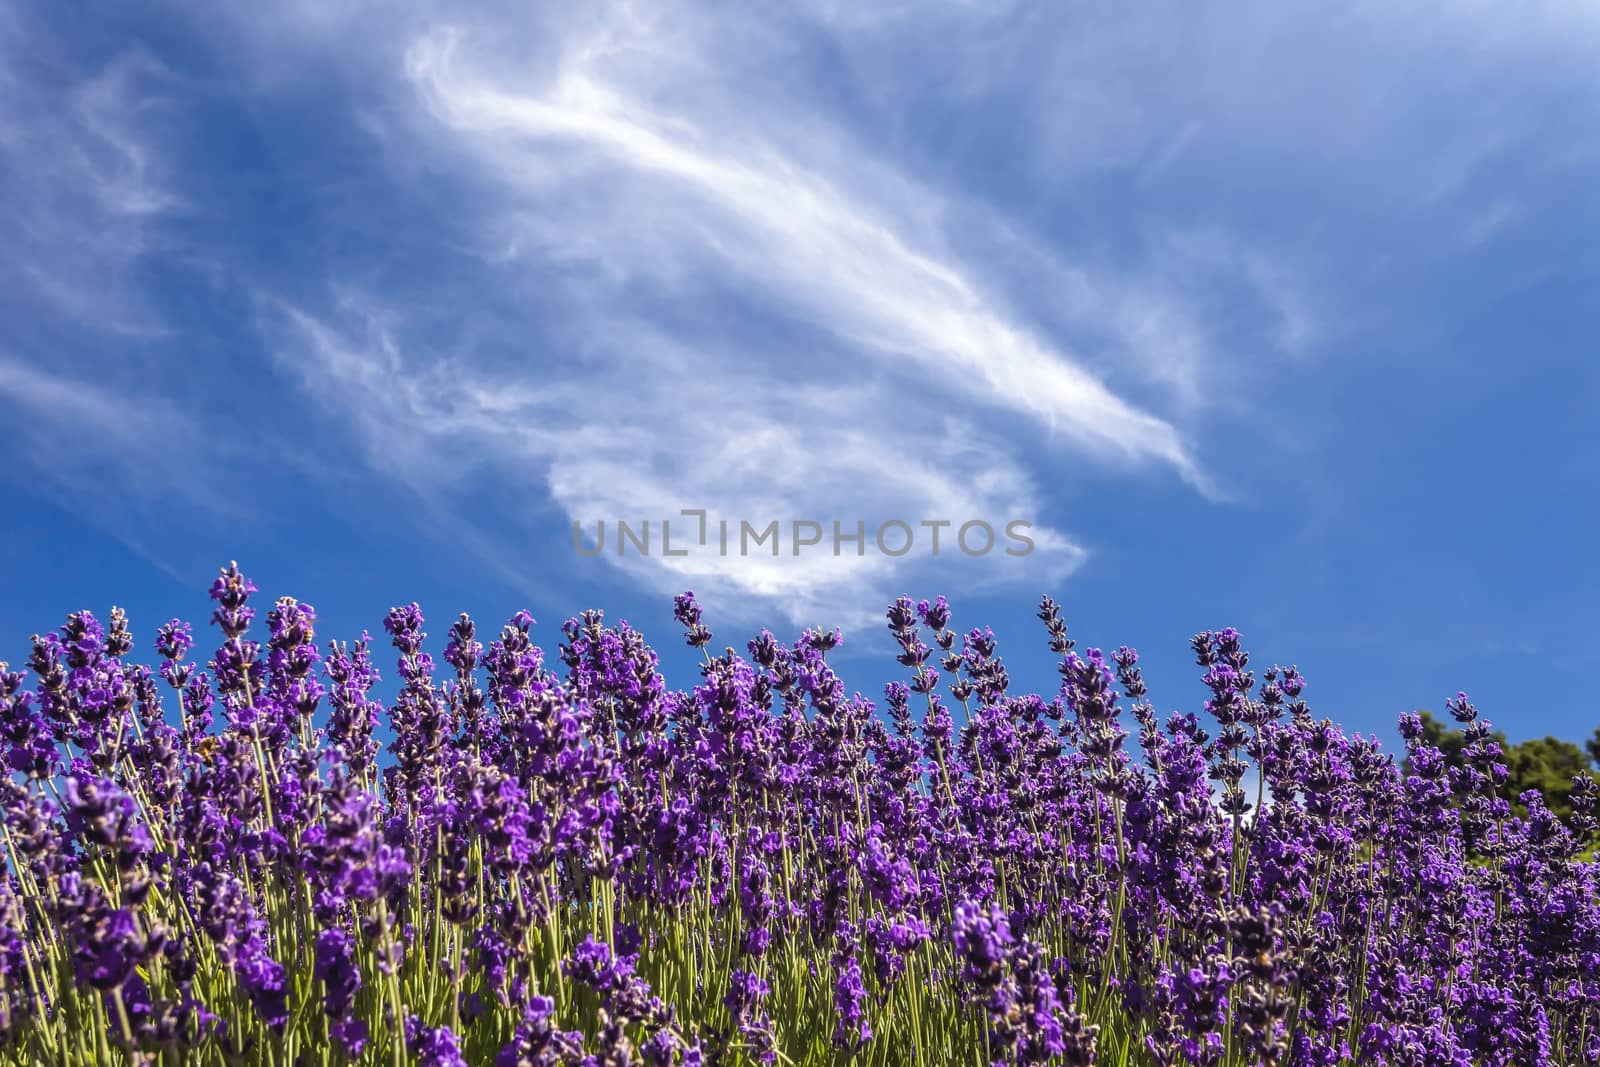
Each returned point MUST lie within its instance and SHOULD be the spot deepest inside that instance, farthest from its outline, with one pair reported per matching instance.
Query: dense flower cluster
(533, 863)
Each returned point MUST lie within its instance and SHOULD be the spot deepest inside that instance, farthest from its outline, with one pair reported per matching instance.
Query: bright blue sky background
(1273, 315)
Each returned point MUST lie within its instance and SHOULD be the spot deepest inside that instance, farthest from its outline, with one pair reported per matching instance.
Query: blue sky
(1277, 316)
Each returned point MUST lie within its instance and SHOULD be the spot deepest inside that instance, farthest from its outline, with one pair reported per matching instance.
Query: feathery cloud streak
(711, 277)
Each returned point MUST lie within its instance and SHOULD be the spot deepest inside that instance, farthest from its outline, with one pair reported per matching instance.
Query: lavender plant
(526, 862)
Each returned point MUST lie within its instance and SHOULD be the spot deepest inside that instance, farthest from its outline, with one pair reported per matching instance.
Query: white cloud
(797, 234)
(120, 456)
(753, 315)
(86, 187)
(772, 261)
(636, 439)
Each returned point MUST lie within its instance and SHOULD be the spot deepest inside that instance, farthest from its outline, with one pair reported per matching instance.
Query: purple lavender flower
(575, 864)
(687, 611)
(433, 1046)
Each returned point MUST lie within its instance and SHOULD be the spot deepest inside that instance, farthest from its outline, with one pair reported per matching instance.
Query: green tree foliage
(1547, 764)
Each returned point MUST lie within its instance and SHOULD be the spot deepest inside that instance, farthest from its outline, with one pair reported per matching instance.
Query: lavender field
(532, 858)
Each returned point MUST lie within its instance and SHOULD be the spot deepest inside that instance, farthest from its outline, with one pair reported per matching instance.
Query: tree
(1547, 764)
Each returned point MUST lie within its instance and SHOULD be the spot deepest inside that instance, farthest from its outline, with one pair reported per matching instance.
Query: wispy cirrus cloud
(119, 455)
(671, 440)
(719, 265)
(90, 432)
(799, 234)
(801, 262)
(87, 175)
(86, 185)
